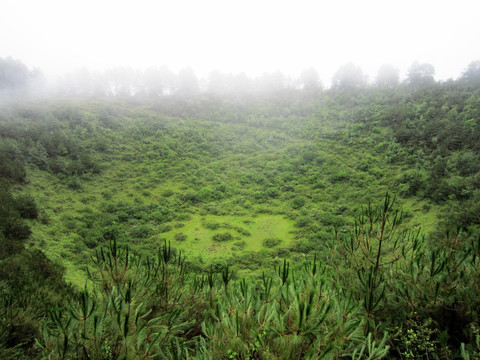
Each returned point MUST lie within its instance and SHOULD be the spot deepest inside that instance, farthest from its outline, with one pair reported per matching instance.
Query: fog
(250, 37)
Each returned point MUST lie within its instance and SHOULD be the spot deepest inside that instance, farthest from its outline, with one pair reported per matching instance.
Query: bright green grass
(425, 215)
(199, 238)
(349, 176)
(63, 206)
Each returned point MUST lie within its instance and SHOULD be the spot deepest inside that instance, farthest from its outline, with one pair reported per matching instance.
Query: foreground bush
(383, 293)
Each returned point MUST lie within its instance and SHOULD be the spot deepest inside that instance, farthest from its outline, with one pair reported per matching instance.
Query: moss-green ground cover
(240, 185)
(274, 188)
(251, 231)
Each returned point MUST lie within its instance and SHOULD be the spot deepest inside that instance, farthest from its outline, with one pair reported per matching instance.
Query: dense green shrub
(122, 216)
(298, 202)
(342, 175)
(15, 228)
(168, 193)
(91, 239)
(141, 231)
(271, 242)
(111, 232)
(239, 245)
(191, 197)
(26, 206)
(163, 228)
(180, 236)
(211, 225)
(11, 170)
(221, 237)
(74, 183)
(315, 159)
(241, 231)
(303, 221)
(162, 214)
(415, 181)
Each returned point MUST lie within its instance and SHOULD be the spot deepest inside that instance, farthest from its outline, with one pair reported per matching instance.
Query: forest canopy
(158, 81)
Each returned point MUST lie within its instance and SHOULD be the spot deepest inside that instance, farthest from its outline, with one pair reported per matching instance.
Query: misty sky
(253, 36)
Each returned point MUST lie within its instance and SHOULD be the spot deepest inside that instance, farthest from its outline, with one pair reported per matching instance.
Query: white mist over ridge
(234, 37)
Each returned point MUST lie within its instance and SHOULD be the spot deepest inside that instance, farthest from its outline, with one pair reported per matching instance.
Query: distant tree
(11, 161)
(187, 83)
(228, 84)
(77, 83)
(219, 83)
(242, 84)
(270, 82)
(387, 76)
(310, 80)
(100, 84)
(159, 81)
(26, 206)
(14, 75)
(472, 73)
(38, 156)
(123, 81)
(421, 74)
(37, 82)
(349, 77)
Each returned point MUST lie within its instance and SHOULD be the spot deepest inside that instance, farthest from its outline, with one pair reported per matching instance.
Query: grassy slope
(155, 159)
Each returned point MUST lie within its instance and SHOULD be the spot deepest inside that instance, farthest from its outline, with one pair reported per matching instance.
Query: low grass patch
(200, 235)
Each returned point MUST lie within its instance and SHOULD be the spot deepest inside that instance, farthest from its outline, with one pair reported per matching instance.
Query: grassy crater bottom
(213, 237)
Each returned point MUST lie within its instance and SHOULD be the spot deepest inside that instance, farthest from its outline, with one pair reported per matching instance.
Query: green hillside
(294, 225)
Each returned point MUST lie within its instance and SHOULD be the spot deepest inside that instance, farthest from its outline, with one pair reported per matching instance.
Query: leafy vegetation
(288, 240)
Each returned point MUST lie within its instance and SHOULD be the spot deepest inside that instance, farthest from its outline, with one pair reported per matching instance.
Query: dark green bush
(221, 237)
(182, 217)
(242, 231)
(161, 214)
(191, 197)
(15, 228)
(211, 225)
(180, 237)
(111, 232)
(122, 216)
(167, 193)
(141, 231)
(303, 221)
(272, 193)
(91, 242)
(239, 245)
(298, 202)
(340, 176)
(74, 183)
(10, 169)
(26, 206)
(163, 228)
(271, 242)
